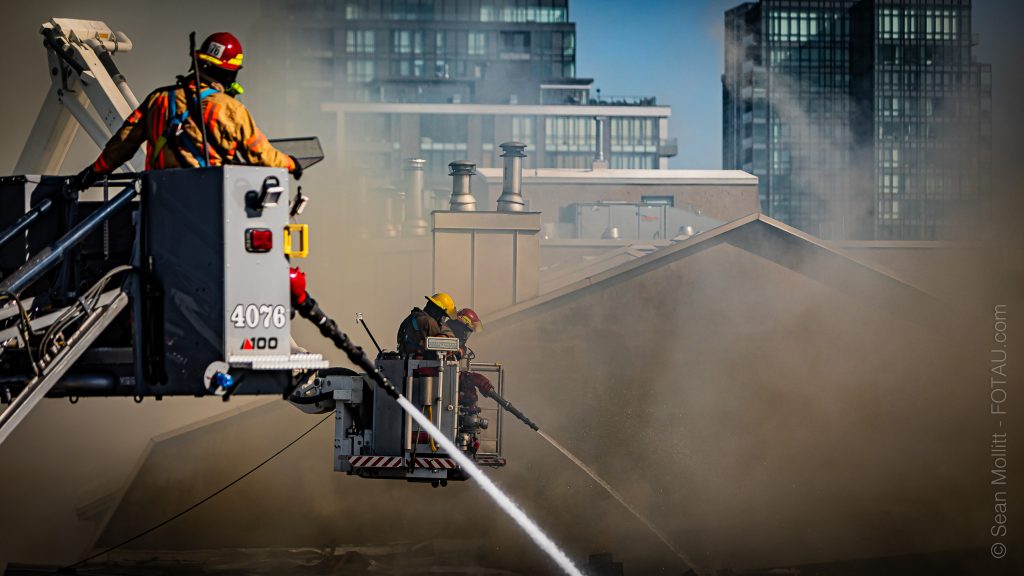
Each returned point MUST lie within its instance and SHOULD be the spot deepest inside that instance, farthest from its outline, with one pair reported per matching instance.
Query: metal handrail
(42, 262)
(25, 221)
(45, 204)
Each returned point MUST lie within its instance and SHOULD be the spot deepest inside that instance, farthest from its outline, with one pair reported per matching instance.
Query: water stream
(502, 499)
(617, 496)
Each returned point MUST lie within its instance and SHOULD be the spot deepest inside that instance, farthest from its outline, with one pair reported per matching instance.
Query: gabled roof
(774, 241)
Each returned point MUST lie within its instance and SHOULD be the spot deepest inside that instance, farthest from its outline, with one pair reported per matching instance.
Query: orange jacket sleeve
(124, 143)
(252, 145)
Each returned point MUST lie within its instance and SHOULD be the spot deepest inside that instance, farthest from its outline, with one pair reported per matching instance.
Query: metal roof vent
(415, 224)
(462, 195)
(391, 196)
(511, 199)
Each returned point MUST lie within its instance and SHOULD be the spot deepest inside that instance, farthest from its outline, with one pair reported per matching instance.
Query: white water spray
(617, 496)
(492, 490)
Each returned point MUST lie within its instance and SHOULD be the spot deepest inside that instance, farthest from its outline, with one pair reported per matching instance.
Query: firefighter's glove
(297, 280)
(84, 179)
(297, 170)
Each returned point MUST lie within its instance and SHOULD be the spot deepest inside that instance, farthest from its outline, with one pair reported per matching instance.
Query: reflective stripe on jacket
(233, 137)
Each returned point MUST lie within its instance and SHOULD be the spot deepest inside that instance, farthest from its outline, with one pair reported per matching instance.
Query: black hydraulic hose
(48, 258)
(309, 310)
(511, 409)
(61, 48)
(25, 221)
(109, 65)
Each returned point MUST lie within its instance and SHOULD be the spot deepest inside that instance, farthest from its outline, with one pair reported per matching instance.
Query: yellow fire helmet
(444, 302)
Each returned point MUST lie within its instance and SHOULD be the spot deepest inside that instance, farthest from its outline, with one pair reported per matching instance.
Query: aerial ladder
(86, 90)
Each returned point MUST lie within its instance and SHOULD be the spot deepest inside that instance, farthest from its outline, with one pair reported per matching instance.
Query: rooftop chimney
(390, 196)
(415, 224)
(511, 199)
(462, 195)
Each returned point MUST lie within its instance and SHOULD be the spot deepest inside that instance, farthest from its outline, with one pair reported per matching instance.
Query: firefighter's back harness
(174, 126)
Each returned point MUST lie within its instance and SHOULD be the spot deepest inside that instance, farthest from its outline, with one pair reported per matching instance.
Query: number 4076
(256, 316)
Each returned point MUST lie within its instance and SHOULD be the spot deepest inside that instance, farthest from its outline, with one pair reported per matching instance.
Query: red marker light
(259, 240)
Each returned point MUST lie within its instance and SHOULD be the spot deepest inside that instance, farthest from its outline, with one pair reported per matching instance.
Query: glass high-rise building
(451, 79)
(863, 119)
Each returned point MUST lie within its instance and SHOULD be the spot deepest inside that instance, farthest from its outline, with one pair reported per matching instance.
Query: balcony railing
(603, 100)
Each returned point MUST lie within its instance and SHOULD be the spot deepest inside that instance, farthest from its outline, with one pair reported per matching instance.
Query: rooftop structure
(660, 203)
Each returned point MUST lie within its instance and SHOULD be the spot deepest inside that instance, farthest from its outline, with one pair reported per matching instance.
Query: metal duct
(415, 224)
(462, 195)
(511, 199)
(390, 196)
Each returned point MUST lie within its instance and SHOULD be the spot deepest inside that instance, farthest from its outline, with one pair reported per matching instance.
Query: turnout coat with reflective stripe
(233, 137)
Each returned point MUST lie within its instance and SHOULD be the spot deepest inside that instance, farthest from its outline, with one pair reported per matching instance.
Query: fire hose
(481, 383)
(307, 307)
(310, 310)
(510, 408)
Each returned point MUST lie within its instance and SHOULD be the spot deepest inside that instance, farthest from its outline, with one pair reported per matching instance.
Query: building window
(544, 14)
(406, 68)
(359, 41)
(568, 44)
(569, 141)
(941, 24)
(515, 43)
(632, 161)
(477, 43)
(569, 134)
(353, 11)
(407, 42)
(522, 130)
(669, 201)
(633, 135)
(408, 9)
(359, 70)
